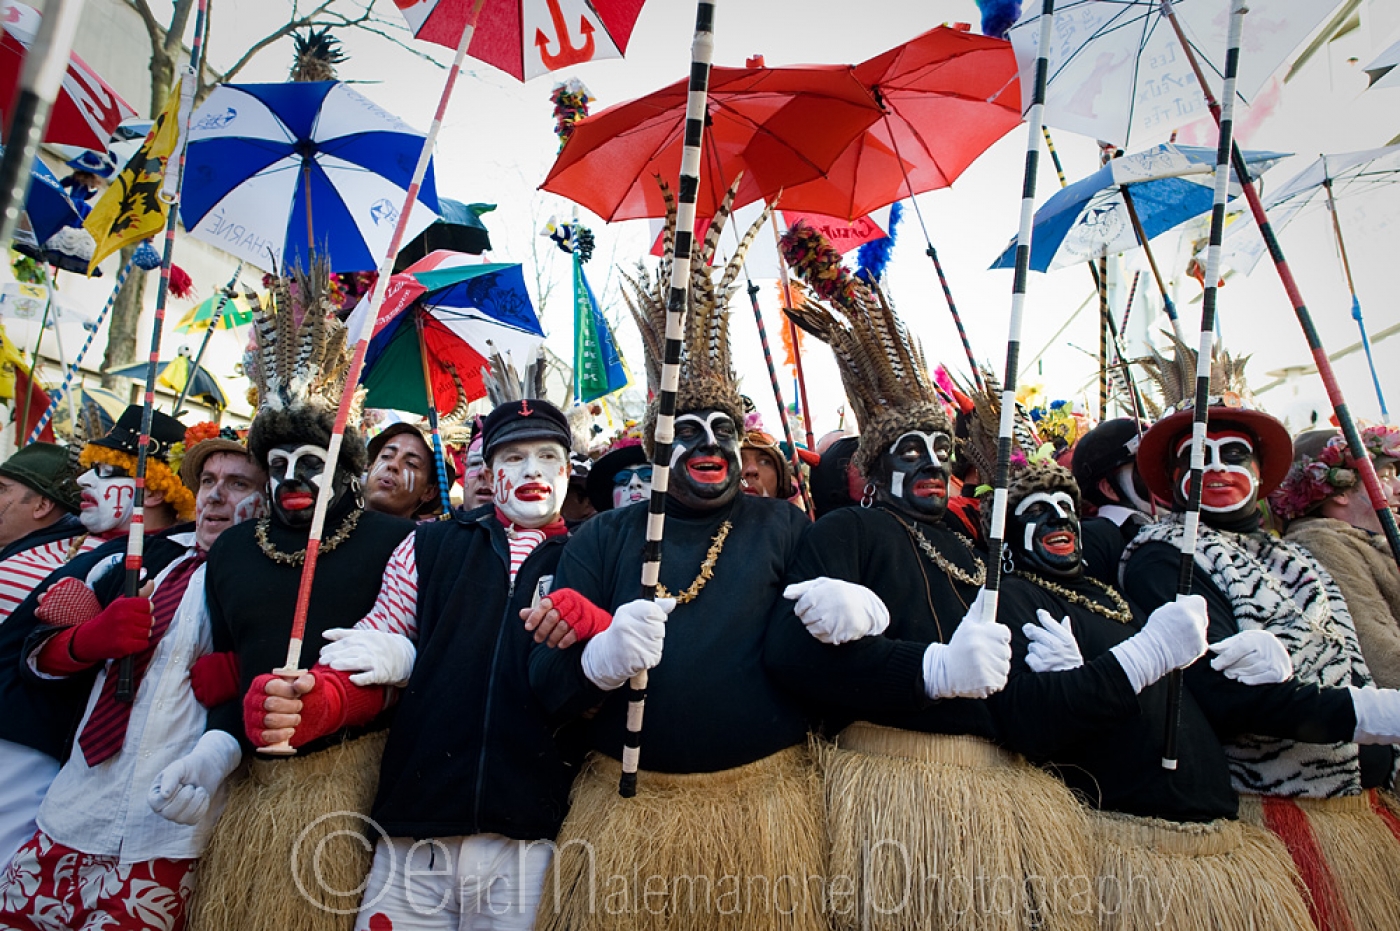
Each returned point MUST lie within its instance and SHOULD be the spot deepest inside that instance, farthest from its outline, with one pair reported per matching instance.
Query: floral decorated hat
(1323, 466)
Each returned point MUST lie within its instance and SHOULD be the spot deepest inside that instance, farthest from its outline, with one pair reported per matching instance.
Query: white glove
(1377, 715)
(1254, 657)
(836, 611)
(183, 790)
(631, 644)
(1174, 637)
(974, 663)
(1053, 647)
(376, 657)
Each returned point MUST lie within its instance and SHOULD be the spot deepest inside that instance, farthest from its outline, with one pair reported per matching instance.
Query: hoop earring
(1008, 561)
(358, 493)
(868, 497)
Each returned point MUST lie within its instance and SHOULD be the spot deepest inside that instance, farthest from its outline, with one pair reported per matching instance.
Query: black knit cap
(125, 435)
(526, 419)
(1108, 446)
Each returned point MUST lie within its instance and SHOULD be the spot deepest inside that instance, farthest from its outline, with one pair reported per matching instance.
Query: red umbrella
(780, 126)
(946, 97)
(87, 110)
(526, 38)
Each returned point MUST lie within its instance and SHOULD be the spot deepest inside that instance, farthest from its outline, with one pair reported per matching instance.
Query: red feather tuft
(180, 284)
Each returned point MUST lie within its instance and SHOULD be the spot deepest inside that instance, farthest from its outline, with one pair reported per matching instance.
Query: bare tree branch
(286, 29)
(153, 27)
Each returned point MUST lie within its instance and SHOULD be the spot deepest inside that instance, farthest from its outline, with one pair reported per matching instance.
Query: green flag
(598, 368)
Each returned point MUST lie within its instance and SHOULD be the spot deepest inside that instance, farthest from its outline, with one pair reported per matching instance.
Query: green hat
(45, 468)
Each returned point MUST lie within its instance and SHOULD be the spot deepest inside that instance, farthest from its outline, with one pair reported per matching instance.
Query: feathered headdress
(707, 374)
(1175, 378)
(298, 364)
(979, 428)
(882, 364)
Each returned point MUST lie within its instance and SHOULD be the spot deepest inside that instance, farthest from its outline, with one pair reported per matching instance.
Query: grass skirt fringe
(949, 832)
(736, 850)
(292, 850)
(1168, 876)
(1347, 851)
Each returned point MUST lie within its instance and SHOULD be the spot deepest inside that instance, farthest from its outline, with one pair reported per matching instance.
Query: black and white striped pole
(1202, 403)
(676, 307)
(1035, 120)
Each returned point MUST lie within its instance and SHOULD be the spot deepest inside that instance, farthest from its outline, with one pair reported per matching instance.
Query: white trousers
(484, 882)
(25, 775)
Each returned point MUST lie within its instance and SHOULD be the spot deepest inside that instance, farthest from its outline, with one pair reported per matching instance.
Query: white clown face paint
(108, 499)
(531, 479)
(632, 485)
(1230, 484)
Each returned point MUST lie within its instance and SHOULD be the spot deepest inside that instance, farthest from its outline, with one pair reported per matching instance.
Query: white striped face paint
(1049, 534)
(1231, 480)
(917, 466)
(705, 459)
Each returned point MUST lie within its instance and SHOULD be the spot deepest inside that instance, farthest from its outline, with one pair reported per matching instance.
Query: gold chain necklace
(707, 569)
(1120, 611)
(299, 557)
(977, 577)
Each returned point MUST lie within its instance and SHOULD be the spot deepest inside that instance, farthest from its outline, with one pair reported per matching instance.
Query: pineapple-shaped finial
(317, 54)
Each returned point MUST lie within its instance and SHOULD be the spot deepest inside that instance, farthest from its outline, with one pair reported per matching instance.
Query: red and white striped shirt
(22, 572)
(395, 611)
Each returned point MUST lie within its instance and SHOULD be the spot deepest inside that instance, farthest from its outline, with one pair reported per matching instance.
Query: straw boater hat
(202, 441)
(1231, 406)
(707, 374)
(882, 365)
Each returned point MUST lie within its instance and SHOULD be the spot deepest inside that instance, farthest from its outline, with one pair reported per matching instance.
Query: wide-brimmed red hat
(1273, 448)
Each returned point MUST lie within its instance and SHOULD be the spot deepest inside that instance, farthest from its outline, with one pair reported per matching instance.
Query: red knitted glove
(214, 678)
(68, 603)
(584, 617)
(334, 702)
(123, 628)
(56, 658)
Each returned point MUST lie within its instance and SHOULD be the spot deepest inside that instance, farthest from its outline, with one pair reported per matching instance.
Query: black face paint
(1045, 533)
(913, 474)
(705, 460)
(295, 472)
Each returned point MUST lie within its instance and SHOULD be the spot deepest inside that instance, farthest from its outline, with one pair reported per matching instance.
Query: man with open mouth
(402, 480)
(1309, 755)
(1087, 700)
(721, 738)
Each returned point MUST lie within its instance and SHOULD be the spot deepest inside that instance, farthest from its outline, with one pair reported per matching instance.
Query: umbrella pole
(44, 69)
(1364, 465)
(1351, 286)
(1201, 407)
(170, 194)
(932, 253)
(438, 456)
(357, 361)
(1132, 296)
(1167, 304)
(796, 346)
(701, 51)
(224, 297)
(1035, 119)
(34, 357)
(1104, 322)
(63, 389)
(778, 396)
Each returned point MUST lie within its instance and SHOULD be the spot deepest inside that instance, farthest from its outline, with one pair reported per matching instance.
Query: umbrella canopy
(86, 111)
(779, 126)
(1117, 72)
(275, 172)
(47, 204)
(1382, 71)
(946, 97)
(469, 309)
(172, 373)
(1089, 219)
(236, 312)
(527, 38)
(459, 230)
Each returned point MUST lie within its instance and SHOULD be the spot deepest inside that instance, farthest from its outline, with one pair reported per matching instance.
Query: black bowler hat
(125, 435)
(526, 419)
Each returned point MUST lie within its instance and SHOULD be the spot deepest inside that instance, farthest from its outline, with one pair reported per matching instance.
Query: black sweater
(1293, 710)
(1088, 726)
(252, 599)
(880, 679)
(471, 750)
(710, 705)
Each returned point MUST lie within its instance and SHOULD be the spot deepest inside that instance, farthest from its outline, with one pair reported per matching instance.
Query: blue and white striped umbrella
(275, 171)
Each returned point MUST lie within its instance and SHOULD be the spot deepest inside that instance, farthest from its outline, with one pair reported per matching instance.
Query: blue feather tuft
(875, 255)
(998, 16)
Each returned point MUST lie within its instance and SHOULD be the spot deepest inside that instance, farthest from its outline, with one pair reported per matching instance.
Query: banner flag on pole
(132, 209)
(598, 368)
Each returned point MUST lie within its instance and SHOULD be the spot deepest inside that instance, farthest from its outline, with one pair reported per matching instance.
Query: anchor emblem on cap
(525, 407)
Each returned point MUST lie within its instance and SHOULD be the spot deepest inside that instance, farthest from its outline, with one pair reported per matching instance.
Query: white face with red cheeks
(1231, 481)
(530, 479)
(109, 494)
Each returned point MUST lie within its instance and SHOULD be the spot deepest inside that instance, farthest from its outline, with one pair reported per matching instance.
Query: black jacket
(471, 750)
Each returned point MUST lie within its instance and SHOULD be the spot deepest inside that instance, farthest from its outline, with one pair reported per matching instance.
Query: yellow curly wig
(159, 478)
